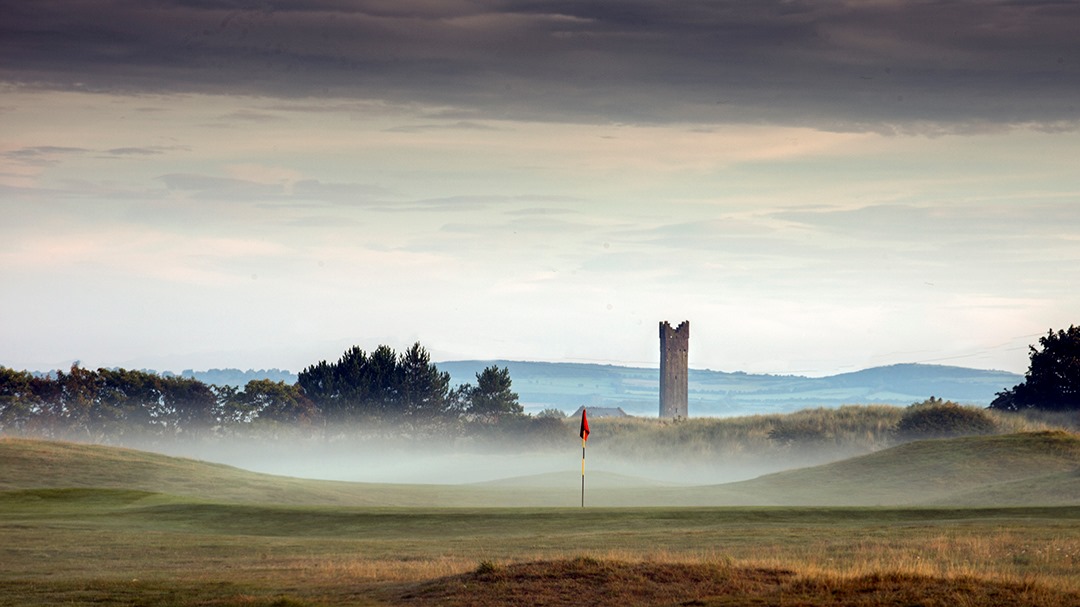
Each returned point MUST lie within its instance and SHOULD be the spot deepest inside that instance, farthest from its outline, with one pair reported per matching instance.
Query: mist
(434, 460)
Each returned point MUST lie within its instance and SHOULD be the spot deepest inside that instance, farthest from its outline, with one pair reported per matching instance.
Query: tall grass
(846, 430)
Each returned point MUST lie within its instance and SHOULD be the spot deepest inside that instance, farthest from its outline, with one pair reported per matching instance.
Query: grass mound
(29, 464)
(588, 581)
(958, 471)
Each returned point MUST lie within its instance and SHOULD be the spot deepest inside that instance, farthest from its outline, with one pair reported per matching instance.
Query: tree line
(383, 388)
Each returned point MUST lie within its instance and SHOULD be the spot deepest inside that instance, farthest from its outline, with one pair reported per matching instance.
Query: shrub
(935, 418)
(798, 432)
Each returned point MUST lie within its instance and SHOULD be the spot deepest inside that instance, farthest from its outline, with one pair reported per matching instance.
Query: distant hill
(567, 386)
(238, 378)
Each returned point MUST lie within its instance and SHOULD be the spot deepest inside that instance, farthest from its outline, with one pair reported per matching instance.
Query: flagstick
(583, 473)
(584, 437)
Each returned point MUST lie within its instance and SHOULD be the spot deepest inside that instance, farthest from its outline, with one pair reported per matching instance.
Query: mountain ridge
(567, 386)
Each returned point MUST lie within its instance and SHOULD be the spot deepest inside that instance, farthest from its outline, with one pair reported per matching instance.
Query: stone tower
(674, 345)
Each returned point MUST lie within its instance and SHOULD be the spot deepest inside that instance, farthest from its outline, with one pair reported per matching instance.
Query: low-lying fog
(393, 463)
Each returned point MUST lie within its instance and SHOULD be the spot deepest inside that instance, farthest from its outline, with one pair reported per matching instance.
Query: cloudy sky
(818, 186)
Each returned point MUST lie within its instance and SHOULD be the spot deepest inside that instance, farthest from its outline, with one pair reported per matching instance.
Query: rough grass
(590, 581)
(604, 583)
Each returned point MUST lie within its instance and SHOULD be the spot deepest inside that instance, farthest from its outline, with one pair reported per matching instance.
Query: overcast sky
(818, 186)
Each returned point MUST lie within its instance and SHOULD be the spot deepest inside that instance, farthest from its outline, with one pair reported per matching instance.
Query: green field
(91, 525)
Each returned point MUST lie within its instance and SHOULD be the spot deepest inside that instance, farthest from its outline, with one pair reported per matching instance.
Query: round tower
(674, 370)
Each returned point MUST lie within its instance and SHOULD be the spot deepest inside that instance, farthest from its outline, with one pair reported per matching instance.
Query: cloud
(135, 151)
(225, 187)
(253, 116)
(1043, 222)
(465, 125)
(42, 154)
(888, 67)
(52, 154)
(264, 187)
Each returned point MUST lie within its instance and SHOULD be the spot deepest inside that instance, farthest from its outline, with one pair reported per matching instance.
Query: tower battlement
(674, 370)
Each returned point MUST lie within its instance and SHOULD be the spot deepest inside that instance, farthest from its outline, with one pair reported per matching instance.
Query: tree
(424, 391)
(318, 383)
(78, 396)
(492, 397)
(277, 402)
(22, 402)
(1052, 381)
(128, 401)
(188, 405)
(381, 385)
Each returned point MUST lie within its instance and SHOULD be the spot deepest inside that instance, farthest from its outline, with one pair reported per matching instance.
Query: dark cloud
(460, 125)
(53, 154)
(42, 154)
(882, 66)
(251, 116)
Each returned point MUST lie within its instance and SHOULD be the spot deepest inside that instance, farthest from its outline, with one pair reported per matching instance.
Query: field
(91, 525)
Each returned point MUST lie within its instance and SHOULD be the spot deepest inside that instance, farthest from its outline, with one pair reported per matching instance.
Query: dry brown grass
(589, 581)
(602, 583)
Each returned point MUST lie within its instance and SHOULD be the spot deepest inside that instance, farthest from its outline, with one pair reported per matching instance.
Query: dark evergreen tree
(381, 385)
(492, 398)
(1052, 381)
(424, 391)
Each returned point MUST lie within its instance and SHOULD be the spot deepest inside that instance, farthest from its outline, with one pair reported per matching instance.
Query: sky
(817, 186)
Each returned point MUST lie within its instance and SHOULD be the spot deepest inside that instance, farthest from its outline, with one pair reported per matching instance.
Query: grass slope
(37, 464)
(1017, 469)
(27, 464)
(1035, 469)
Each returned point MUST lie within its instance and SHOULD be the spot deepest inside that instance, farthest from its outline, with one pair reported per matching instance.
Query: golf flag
(584, 428)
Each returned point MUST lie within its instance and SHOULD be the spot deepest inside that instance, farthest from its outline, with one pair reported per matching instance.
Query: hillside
(34, 464)
(1031, 469)
(567, 386)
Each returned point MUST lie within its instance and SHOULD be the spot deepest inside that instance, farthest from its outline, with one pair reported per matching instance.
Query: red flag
(584, 427)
